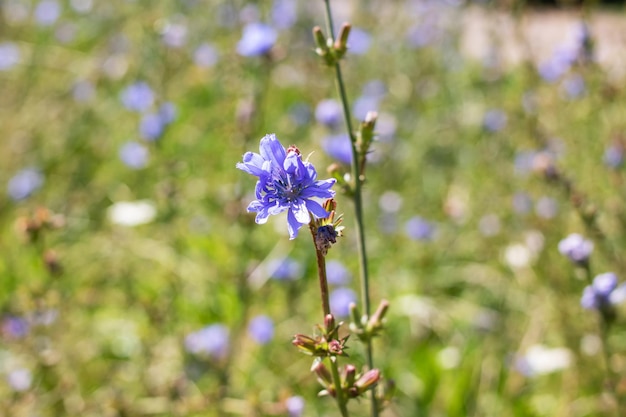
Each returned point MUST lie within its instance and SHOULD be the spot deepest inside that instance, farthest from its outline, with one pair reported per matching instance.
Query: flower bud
(367, 380)
(323, 374)
(350, 375)
(305, 344)
(341, 44)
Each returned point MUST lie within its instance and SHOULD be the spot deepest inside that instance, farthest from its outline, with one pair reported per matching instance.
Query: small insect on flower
(286, 183)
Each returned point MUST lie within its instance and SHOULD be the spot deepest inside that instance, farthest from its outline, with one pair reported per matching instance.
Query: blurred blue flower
(47, 12)
(574, 86)
(576, 248)
(374, 89)
(364, 104)
(167, 112)
(205, 55)
(359, 41)
(9, 55)
(300, 114)
(422, 34)
(286, 269)
(137, 97)
(494, 120)
(337, 273)
(261, 329)
(329, 112)
(552, 69)
(211, 341)
(151, 126)
(419, 229)
(546, 207)
(338, 147)
(614, 156)
(14, 327)
(340, 300)
(24, 183)
(603, 292)
(174, 35)
(20, 379)
(522, 203)
(83, 91)
(134, 155)
(284, 13)
(286, 183)
(257, 39)
(295, 406)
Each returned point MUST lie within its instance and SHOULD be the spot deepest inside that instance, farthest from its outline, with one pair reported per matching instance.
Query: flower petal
(300, 211)
(252, 164)
(293, 225)
(317, 209)
(272, 150)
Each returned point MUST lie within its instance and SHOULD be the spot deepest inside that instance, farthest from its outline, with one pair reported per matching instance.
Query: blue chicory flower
(418, 228)
(261, 329)
(340, 300)
(576, 248)
(211, 341)
(338, 147)
(286, 183)
(614, 156)
(284, 13)
(329, 113)
(603, 292)
(134, 155)
(24, 183)
(295, 406)
(47, 12)
(205, 55)
(151, 126)
(337, 273)
(137, 97)
(257, 39)
(9, 55)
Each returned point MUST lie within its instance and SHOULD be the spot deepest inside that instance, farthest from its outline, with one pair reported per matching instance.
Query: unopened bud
(323, 374)
(329, 323)
(341, 44)
(376, 321)
(305, 344)
(350, 375)
(367, 380)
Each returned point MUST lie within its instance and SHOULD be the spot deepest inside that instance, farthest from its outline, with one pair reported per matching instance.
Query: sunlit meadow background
(134, 283)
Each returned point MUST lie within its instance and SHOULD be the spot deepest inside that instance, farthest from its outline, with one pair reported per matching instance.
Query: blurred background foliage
(134, 282)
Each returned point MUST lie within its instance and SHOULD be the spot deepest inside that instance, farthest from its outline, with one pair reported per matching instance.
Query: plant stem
(358, 202)
(341, 401)
(321, 271)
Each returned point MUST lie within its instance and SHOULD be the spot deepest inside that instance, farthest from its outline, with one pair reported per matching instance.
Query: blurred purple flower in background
(174, 35)
(419, 229)
(83, 91)
(206, 55)
(546, 207)
(576, 248)
(261, 329)
(340, 300)
(329, 112)
(494, 120)
(337, 273)
(573, 86)
(338, 147)
(151, 126)
(211, 341)
(286, 183)
(614, 156)
(300, 114)
(137, 97)
(603, 292)
(284, 13)
(295, 406)
(522, 203)
(20, 379)
(24, 183)
(167, 112)
(134, 155)
(47, 12)
(359, 41)
(14, 327)
(9, 55)
(286, 269)
(257, 39)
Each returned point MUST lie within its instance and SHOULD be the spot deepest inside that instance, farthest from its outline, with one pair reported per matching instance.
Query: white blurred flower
(132, 213)
(517, 256)
(20, 379)
(541, 360)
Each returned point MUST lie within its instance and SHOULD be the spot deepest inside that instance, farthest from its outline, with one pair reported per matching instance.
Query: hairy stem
(321, 271)
(341, 400)
(358, 201)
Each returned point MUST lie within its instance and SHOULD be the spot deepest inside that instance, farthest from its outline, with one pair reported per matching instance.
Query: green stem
(358, 202)
(341, 400)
